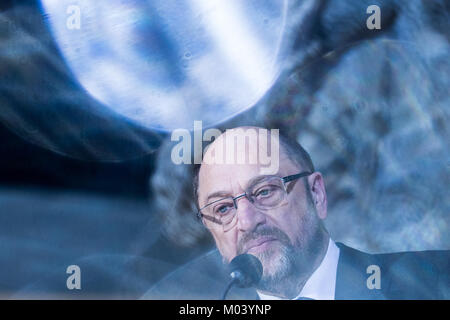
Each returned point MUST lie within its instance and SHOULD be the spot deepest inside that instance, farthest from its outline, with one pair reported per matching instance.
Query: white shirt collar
(321, 284)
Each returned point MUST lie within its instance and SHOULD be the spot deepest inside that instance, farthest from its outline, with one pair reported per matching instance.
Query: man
(278, 217)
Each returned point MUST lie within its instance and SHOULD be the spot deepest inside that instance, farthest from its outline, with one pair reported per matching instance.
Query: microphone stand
(232, 282)
(246, 271)
(236, 277)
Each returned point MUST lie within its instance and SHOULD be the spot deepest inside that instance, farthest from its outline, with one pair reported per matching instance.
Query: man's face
(284, 237)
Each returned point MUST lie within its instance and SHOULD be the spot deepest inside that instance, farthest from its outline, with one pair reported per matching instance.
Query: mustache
(261, 232)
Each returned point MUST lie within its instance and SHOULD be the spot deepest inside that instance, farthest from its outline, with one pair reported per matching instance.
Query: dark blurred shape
(6, 4)
(45, 231)
(246, 270)
(43, 102)
(23, 164)
(203, 278)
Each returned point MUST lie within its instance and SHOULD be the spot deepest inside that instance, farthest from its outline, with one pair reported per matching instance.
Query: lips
(254, 244)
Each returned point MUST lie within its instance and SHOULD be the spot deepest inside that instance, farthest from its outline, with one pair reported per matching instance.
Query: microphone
(245, 271)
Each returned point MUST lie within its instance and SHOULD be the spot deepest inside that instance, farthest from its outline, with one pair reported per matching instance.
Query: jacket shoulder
(406, 275)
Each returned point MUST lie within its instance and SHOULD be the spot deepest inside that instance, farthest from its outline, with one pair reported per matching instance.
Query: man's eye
(222, 209)
(264, 192)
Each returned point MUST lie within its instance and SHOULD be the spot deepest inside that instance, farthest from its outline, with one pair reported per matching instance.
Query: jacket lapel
(351, 277)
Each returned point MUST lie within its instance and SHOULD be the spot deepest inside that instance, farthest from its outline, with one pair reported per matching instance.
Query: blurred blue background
(86, 181)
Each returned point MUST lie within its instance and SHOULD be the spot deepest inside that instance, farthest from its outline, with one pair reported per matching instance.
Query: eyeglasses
(265, 193)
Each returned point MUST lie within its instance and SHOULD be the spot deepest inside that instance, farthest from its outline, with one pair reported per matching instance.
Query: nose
(247, 215)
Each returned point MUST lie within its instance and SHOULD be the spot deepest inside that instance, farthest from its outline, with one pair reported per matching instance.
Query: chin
(276, 262)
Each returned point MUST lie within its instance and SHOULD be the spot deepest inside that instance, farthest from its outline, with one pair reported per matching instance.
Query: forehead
(234, 178)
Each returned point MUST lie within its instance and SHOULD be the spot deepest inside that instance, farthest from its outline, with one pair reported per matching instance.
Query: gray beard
(287, 267)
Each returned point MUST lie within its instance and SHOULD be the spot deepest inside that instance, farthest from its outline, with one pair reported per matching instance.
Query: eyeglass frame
(285, 180)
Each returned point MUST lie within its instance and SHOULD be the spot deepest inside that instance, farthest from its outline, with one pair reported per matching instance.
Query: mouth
(259, 245)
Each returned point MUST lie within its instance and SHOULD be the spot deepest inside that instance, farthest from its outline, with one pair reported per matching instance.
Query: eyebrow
(218, 194)
(225, 194)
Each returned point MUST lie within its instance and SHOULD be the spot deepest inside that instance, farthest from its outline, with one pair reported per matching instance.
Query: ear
(318, 193)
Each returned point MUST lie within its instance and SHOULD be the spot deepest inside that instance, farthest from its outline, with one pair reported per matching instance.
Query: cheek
(226, 243)
(289, 219)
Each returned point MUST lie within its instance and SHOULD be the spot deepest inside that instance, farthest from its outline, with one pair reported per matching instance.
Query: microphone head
(246, 270)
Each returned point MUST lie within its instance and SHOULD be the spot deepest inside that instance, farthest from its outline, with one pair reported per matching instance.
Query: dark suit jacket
(404, 275)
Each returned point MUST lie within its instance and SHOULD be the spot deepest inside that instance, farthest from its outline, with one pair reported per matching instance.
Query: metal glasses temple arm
(296, 176)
